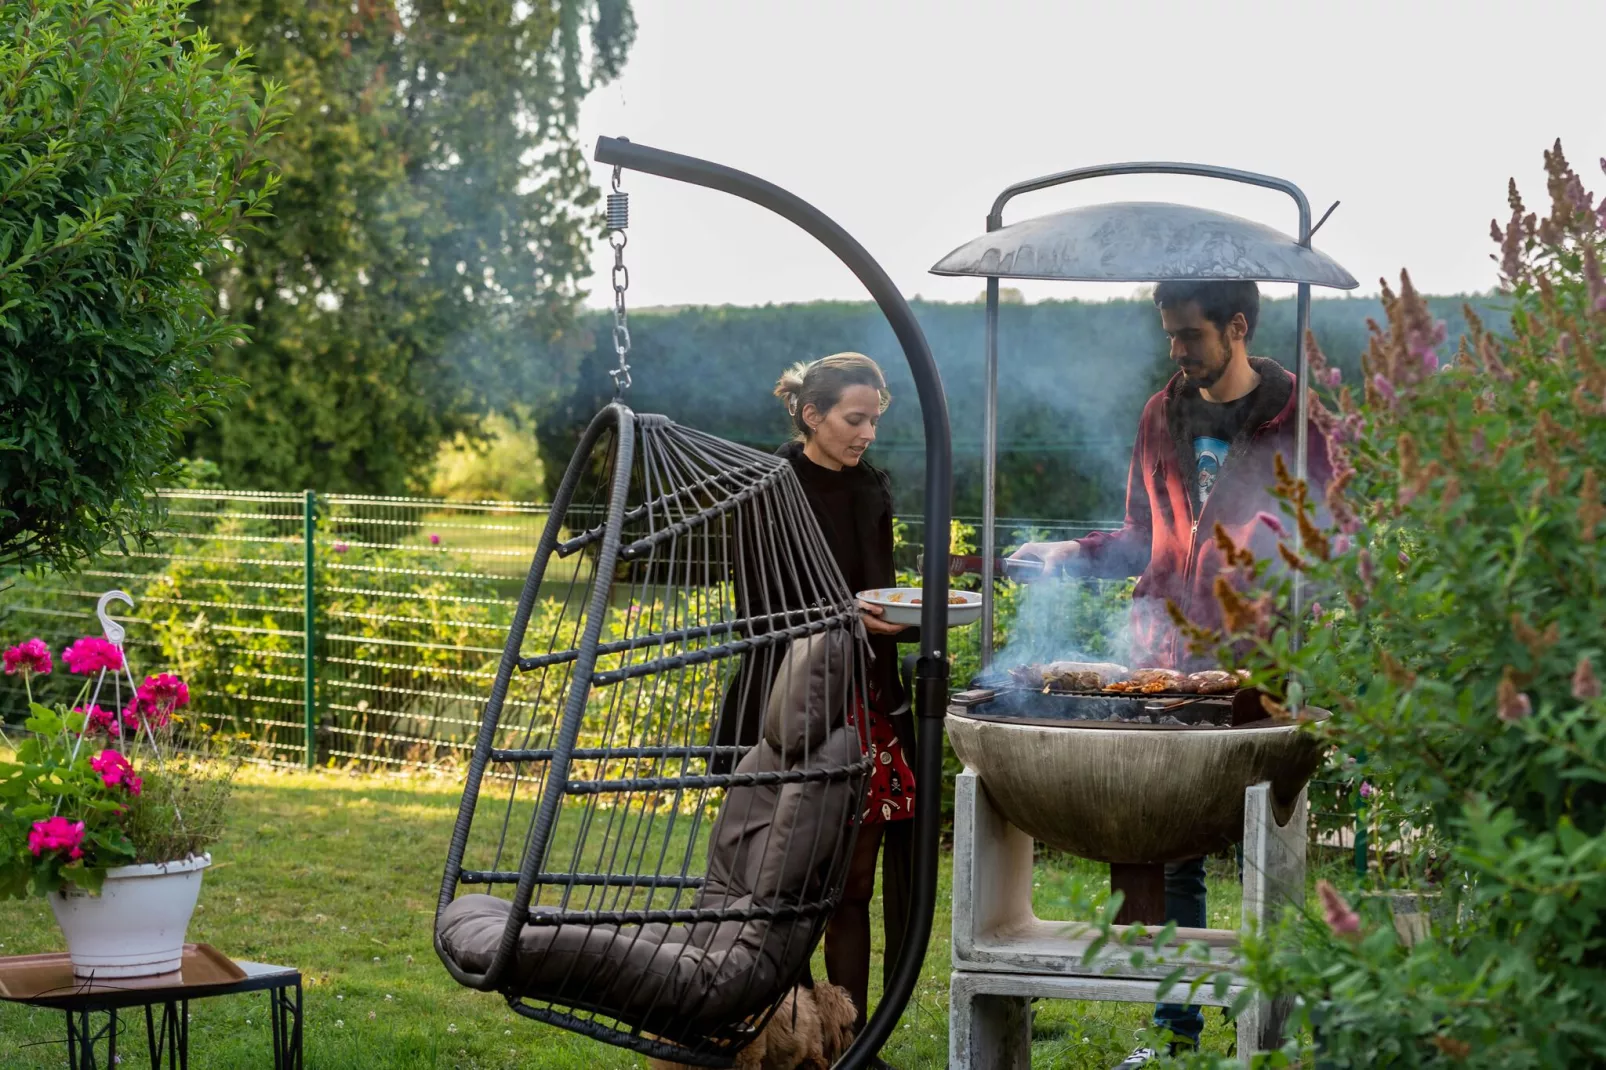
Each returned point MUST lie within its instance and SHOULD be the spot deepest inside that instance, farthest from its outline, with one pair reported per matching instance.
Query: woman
(834, 404)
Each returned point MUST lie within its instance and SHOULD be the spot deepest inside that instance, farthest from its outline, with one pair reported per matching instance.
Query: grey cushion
(772, 845)
(810, 694)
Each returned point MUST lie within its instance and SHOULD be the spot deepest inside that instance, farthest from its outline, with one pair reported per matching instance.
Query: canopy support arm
(931, 684)
(995, 220)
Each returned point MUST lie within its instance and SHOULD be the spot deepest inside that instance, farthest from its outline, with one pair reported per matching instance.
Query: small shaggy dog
(809, 1031)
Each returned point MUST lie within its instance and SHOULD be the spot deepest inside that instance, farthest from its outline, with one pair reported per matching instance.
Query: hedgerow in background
(1073, 379)
(1459, 638)
(130, 165)
(428, 245)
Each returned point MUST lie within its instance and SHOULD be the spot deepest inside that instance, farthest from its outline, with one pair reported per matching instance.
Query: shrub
(1459, 638)
(128, 165)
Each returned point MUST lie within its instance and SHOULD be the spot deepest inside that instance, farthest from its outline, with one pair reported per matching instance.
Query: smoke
(1065, 620)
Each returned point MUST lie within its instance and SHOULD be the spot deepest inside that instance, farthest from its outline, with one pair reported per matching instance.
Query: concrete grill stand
(1063, 783)
(1004, 956)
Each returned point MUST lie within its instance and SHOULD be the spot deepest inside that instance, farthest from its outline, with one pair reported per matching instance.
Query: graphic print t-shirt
(1211, 427)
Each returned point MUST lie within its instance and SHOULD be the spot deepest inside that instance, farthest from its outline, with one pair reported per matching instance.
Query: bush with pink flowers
(88, 788)
(1458, 637)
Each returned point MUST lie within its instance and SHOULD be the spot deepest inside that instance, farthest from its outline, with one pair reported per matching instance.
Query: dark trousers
(1185, 905)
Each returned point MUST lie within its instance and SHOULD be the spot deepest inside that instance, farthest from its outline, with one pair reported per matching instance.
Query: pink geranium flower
(92, 654)
(32, 656)
(115, 770)
(97, 718)
(57, 834)
(156, 699)
(164, 691)
(434, 540)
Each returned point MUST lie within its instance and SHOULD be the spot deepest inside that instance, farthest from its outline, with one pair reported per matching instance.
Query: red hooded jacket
(1168, 540)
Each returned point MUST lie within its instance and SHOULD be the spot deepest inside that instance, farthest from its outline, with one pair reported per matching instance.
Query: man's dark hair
(1218, 302)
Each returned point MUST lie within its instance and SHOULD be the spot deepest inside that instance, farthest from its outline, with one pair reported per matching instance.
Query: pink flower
(156, 699)
(1340, 918)
(1586, 686)
(96, 718)
(1514, 705)
(1384, 388)
(1272, 522)
(1367, 791)
(164, 691)
(1341, 545)
(31, 657)
(55, 834)
(1405, 558)
(1334, 377)
(341, 547)
(92, 654)
(1316, 610)
(115, 770)
(434, 539)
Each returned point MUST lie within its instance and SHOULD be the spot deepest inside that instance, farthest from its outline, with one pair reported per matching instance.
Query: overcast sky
(904, 119)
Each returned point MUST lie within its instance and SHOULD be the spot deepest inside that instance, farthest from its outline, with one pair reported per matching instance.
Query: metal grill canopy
(1143, 241)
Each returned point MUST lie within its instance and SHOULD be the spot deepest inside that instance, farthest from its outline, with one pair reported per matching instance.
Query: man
(1205, 455)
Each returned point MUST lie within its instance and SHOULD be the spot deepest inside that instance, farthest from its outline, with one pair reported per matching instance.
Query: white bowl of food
(902, 605)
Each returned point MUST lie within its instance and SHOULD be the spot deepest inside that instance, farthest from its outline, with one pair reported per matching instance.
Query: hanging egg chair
(614, 870)
(616, 885)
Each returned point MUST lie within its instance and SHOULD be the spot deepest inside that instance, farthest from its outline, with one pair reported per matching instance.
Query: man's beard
(1203, 377)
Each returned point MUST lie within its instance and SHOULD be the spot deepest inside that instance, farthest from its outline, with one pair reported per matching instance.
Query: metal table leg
(83, 1039)
(287, 1026)
(173, 1036)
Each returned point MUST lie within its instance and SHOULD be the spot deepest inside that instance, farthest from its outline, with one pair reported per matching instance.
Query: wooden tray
(25, 977)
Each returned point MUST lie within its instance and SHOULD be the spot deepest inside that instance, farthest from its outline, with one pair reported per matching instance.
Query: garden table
(48, 981)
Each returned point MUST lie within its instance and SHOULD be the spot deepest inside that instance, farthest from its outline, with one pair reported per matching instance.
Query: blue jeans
(1185, 905)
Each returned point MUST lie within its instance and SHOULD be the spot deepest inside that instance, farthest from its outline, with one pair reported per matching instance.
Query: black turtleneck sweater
(853, 507)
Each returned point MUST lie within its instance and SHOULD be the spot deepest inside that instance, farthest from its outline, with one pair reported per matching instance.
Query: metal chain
(618, 220)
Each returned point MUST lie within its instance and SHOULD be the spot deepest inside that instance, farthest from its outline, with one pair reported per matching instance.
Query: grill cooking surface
(1071, 709)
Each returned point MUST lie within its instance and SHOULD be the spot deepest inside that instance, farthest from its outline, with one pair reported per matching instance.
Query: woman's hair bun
(789, 387)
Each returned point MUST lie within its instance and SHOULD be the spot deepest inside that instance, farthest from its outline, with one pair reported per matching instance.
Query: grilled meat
(1067, 675)
(1148, 682)
(1210, 682)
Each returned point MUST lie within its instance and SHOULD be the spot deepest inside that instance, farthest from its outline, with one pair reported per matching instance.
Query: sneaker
(1139, 1057)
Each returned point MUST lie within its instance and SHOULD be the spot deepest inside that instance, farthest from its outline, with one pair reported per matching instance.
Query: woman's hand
(873, 621)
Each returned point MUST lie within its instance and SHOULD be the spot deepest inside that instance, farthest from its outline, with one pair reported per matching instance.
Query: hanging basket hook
(112, 629)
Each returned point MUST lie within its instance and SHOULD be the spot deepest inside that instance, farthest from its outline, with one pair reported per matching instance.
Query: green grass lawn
(338, 875)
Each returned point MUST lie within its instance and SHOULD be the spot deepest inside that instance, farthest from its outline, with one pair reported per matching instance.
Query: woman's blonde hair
(821, 383)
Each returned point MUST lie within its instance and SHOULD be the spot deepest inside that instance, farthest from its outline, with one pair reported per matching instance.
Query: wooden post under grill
(1143, 888)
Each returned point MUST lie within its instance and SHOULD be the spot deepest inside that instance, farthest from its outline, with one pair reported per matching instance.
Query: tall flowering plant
(1458, 634)
(90, 787)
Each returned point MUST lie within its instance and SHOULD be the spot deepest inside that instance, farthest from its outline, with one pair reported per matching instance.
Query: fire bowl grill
(1069, 771)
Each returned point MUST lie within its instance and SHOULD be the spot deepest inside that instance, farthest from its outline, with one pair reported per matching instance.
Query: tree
(425, 257)
(128, 157)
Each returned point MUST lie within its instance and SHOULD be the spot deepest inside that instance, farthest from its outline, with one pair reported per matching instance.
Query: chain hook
(618, 221)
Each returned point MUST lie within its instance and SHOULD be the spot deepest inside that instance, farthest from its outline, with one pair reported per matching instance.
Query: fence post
(309, 603)
(1362, 846)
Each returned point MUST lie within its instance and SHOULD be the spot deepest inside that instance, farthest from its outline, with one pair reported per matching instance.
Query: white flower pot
(136, 926)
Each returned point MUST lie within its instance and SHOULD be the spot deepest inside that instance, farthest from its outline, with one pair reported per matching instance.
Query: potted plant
(108, 811)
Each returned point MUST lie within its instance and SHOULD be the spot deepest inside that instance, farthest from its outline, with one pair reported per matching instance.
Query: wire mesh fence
(356, 630)
(219, 597)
